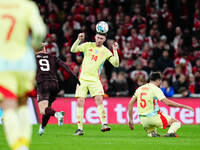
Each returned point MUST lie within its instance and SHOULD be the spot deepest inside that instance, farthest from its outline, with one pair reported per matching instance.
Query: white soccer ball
(102, 27)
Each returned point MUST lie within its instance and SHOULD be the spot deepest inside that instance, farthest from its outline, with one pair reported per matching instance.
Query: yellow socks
(80, 113)
(174, 127)
(25, 123)
(21, 142)
(102, 114)
(11, 126)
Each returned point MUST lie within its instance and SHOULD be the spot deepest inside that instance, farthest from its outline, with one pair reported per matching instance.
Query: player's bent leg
(102, 113)
(152, 132)
(11, 122)
(24, 120)
(174, 126)
(47, 112)
(43, 104)
(150, 125)
(80, 113)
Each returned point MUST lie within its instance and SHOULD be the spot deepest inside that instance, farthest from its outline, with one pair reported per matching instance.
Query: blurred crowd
(153, 35)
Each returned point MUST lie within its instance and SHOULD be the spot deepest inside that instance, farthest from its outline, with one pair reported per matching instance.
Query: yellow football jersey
(17, 17)
(94, 58)
(147, 96)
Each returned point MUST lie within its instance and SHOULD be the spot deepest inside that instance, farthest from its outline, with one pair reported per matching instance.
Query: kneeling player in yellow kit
(150, 115)
(18, 67)
(95, 54)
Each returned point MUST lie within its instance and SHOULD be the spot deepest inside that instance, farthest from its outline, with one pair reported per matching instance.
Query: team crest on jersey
(96, 52)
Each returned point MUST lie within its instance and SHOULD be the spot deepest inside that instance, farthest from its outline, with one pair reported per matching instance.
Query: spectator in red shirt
(196, 70)
(120, 38)
(192, 84)
(184, 63)
(51, 46)
(128, 51)
(134, 39)
(138, 72)
(127, 25)
(165, 13)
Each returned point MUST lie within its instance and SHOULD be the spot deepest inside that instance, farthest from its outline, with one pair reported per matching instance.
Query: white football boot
(41, 130)
(60, 117)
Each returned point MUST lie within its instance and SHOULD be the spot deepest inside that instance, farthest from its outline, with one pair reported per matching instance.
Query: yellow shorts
(158, 121)
(16, 84)
(94, 87)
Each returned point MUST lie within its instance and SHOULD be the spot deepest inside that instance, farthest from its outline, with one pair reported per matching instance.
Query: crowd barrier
(117, 108)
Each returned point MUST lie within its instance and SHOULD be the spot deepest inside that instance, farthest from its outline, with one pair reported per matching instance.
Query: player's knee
(176, 122)
(42, 111)
(42, 106)
(99, 100)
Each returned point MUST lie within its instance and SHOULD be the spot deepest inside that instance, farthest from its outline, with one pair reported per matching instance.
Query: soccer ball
(102, 27)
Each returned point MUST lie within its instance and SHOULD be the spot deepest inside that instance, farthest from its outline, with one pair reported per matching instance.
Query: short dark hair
(155, 76)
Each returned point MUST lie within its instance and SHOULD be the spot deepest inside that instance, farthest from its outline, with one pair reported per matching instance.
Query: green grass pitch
(119, 138)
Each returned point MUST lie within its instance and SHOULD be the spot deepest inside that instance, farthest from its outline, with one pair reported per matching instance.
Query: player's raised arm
(130, 111)
(75, 48)
(64, 66)
(36, 24)
(114, 60)
(174, 104)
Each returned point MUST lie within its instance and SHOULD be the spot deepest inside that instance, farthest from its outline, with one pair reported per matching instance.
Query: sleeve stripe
(109, 57)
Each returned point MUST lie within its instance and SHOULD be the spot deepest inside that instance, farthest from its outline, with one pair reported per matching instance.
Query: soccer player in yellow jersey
(17, 66)
(150, 115)
(95, 54)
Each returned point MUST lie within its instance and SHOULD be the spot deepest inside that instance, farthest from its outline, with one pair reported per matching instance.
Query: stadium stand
(154, 35)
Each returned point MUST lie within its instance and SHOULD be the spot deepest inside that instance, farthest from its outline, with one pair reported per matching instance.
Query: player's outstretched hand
(81, 36)
(189, 108)
(131, 126)
(115, 46)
